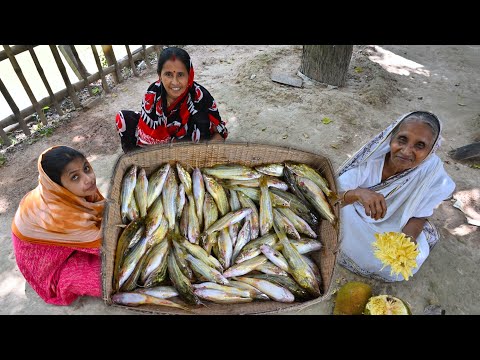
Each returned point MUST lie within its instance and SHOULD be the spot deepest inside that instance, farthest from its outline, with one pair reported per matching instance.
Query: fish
(226, 288)
(252, 249)
(253, 218)
(244, 236)
(181, 282)
(298, 223)
(206, 271)
(271, 269)
(218, 193)
(136, 299)
(227, 220)
(131, 260)
(155, 256)
(303, 170)
(198, 193)
(317, 198)
(245, 267)
(185, 178)
(225, 248)
(154, 217)
(128, 186)
(266, 208)
(254, 292)
(193, 225)
(181, 199)
(231, 171)
(298, 268)
(304, 210)
(169, 199)
(132, 211)
(134, 230)
(273, 169)
(287, 225)
(275, 257)
(255, 183)
(274, 291)
(161, 292)
(140, 191)
(287, 282)
(156, 182)
(220, 297)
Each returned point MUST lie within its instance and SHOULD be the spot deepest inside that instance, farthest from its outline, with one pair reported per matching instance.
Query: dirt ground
(383, 83)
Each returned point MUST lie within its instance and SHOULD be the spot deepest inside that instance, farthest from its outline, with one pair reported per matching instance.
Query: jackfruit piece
(352, 298)
(386, 305)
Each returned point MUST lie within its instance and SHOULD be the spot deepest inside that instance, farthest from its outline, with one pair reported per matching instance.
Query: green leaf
(476, 166)
(358, 69)
(2, 160)
(45, 108)
(95, 90)
(326, 120)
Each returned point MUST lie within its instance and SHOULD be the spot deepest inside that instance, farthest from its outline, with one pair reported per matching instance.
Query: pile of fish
(225, 234)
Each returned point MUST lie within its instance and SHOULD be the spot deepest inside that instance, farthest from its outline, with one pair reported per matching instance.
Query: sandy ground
(383, 83)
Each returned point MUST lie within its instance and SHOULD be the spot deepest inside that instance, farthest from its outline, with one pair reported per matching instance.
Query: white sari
(413, 193)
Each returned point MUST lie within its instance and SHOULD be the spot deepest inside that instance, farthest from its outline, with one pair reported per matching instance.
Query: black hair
(55, 160)
(424, 117)
(173, 53)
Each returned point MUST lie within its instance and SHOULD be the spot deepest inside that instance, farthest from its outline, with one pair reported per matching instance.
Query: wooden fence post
(130, 59)
(82, 70)
(145, 56)
(24, 82)
(45, 81)
(111, 60)
(100, 69)
(63, 72)
(15, 110)
(74, 62)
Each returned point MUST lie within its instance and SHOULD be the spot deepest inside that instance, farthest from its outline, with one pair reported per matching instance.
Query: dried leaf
(306, 136)
(335, 146)
(264, 129)
(461, 104)
(284, 136)
(326, 120)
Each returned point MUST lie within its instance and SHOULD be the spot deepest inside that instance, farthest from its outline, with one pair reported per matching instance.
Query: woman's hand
(373, 202)
(414, 227)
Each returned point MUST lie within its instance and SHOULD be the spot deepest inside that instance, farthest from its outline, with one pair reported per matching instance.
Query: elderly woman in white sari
(392, 184)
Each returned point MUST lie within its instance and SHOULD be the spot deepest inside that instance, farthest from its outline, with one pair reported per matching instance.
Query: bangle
(342, 200)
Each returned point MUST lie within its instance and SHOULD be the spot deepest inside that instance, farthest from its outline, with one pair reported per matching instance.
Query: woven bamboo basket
(205, 155)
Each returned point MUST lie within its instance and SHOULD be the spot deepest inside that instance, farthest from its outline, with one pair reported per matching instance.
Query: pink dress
(59, 274)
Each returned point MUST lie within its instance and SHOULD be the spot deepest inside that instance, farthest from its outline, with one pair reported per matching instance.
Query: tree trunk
(326, 63)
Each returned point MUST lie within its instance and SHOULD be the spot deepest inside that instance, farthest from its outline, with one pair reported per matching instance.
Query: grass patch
(3, 160)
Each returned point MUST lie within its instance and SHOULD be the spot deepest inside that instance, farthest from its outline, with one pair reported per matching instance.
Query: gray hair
(424, 117)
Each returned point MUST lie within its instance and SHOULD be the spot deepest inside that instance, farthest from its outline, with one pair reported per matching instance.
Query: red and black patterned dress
(193, 117)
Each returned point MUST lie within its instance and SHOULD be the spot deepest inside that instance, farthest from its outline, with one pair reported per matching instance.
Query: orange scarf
(52, 215)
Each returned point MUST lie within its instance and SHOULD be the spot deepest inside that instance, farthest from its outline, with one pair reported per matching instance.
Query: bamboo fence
(21, 117)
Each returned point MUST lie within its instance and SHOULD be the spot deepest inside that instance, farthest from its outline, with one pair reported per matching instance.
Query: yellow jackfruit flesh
(386, 305)
(351, 298)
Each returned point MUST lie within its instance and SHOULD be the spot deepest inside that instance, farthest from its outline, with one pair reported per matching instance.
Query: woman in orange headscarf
(56, 231)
